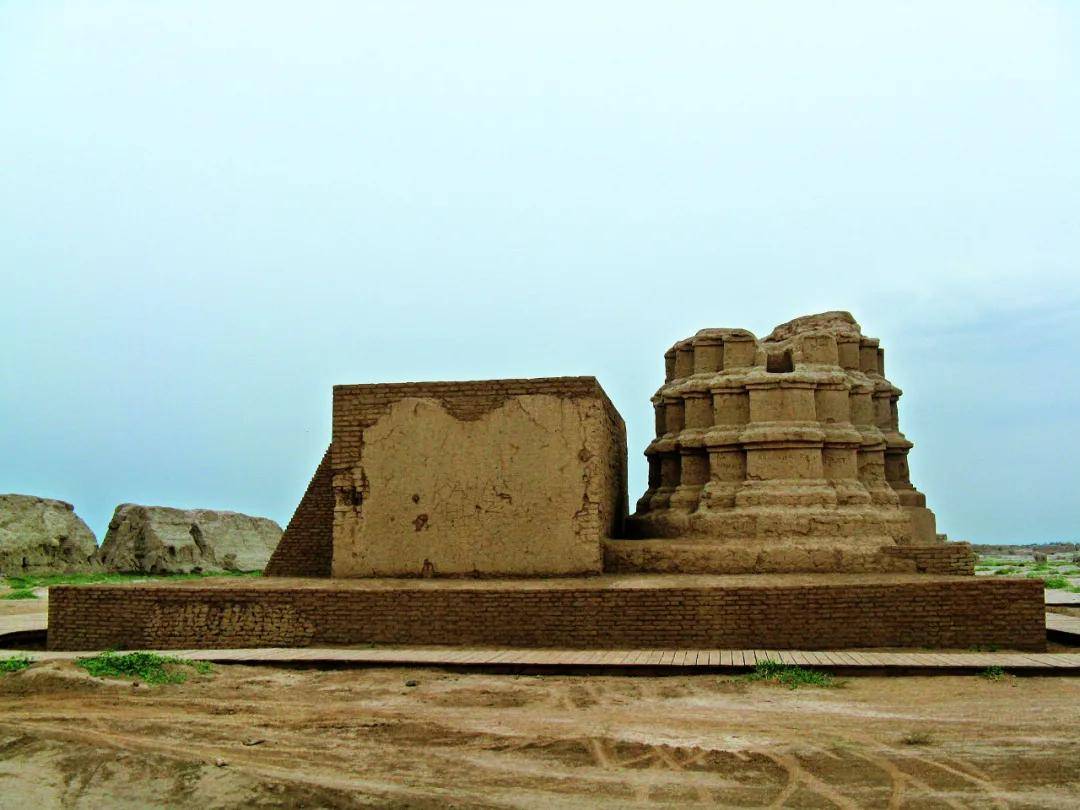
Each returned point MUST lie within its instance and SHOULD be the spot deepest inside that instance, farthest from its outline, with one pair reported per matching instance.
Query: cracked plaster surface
(527, 488)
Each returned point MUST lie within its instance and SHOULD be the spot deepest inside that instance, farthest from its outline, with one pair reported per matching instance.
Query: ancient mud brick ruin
(779, 515)
(781, 455)
(497, 477)
(776, 612)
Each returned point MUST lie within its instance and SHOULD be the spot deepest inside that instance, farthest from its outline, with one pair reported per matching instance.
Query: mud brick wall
(307, 546)
(940, 612)
(947, 558)
(505, 477)
(306, 549)
(359, 406)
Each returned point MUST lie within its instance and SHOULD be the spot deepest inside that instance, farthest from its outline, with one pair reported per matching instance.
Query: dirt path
(353, 738)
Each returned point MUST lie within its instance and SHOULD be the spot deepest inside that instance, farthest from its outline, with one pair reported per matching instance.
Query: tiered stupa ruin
(777, 455)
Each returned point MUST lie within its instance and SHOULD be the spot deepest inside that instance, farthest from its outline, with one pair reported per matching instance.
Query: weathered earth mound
(43, 536)
(162, 540)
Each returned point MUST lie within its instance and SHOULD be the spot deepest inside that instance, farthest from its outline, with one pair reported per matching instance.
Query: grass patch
(14, 664)
(20, 593)
(1005, 571)
(998, 561)
(917, 738)
(791, 676)
(143, 666)
(1056, 583)
(993, 674)
(44, 581)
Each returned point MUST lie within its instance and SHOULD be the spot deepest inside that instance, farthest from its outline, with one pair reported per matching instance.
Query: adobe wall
(818, 612)
(497, 477)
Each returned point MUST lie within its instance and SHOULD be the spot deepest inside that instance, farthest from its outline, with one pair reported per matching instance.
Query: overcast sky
(212, 212)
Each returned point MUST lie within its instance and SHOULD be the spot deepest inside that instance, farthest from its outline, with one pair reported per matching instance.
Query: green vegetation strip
(1055, 574)
(14, 664)
(791, 676)
(28, 583)
(143, 666)
(21, 593)
(1056, 583)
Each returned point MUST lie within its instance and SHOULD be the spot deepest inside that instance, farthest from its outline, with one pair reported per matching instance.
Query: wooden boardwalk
(1059, 623)
(1063, 598)
(681, 660)
(23, 623)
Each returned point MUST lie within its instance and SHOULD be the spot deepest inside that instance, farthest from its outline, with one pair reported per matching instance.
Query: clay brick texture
(916, 611)
(477, 478)
(948, 558)
(307, 546)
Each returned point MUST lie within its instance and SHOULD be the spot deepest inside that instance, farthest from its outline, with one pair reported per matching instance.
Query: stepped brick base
(791, 611)
(801, 555)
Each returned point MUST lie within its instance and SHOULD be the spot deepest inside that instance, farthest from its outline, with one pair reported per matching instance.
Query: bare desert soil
(273, 737)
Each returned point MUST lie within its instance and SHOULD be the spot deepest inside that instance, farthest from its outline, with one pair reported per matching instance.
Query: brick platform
(827, 611)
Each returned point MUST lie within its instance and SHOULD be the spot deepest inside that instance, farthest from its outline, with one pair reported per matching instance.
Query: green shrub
(14, 664)
(21, 593)
(1056, 583)
(790, 675)
(993, 674)
(144, 666)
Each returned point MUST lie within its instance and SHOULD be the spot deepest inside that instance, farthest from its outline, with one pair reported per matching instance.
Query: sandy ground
(272, 737)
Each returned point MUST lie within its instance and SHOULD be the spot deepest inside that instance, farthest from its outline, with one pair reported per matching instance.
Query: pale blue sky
(212, 212)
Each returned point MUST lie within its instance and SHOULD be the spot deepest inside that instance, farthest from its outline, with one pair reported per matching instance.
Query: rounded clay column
(708, 354)
(847, 349)
(693, 457)
(840, 450)
(871, 445)
(667, 448)
(669, 365)
(684, 359)
(784, 446)
(727, 458)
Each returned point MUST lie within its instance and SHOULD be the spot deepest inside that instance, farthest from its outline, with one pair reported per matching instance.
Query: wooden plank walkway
(23, 623)
(678, 660)
(681, 660)
(1060, 623)
(1061, 598)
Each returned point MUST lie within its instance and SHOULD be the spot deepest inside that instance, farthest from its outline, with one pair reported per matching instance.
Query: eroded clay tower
(777, 455)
